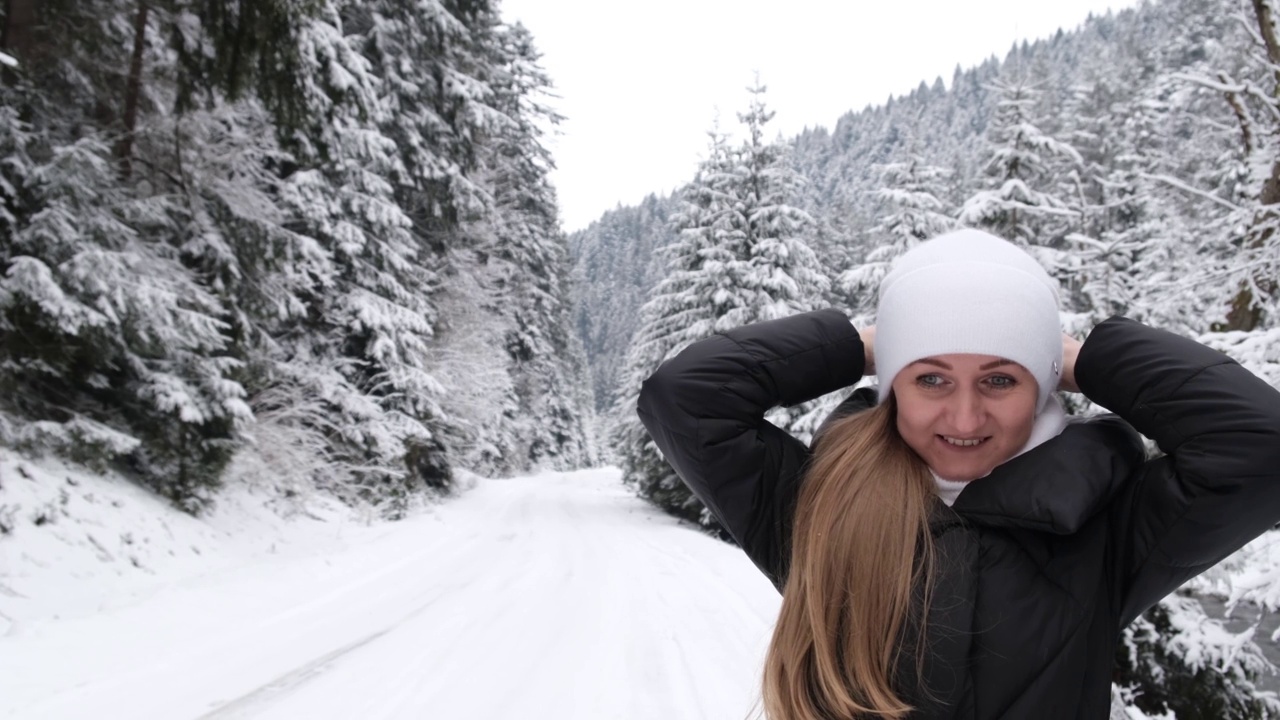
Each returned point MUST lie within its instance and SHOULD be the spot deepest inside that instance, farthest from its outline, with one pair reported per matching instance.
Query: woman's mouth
(964, 442)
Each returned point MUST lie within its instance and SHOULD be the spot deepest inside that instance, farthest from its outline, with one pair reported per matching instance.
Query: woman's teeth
(963, 443)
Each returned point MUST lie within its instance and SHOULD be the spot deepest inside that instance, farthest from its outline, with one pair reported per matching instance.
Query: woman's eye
(1001, 382)
(929, 381)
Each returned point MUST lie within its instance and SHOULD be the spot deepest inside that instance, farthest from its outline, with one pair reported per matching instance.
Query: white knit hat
(969, 292)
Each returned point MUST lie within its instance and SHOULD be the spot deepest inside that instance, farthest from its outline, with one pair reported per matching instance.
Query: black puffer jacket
(1047, 558)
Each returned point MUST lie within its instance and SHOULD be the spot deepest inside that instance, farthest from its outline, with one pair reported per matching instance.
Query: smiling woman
(954, 548)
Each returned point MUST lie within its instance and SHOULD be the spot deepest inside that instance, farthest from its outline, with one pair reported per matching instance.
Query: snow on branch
(1220, 85)
(1188, 189)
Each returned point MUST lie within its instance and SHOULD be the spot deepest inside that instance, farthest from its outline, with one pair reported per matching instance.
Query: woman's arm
(1218, 484)
(705, 411)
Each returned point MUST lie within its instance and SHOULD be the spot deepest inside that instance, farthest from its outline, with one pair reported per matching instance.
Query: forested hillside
(312, 241)
(615, 267)
(1136, 157)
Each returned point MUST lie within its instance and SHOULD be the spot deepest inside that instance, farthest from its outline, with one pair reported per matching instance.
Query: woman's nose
(967, 412)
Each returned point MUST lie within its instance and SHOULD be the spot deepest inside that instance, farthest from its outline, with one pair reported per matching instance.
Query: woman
(961, 550)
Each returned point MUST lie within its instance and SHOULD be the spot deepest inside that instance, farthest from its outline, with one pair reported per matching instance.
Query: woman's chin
(962, 473)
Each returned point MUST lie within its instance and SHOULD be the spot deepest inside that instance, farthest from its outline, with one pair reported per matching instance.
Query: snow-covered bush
(1176, 661)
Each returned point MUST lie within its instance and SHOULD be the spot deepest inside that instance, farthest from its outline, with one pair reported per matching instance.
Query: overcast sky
(641, 82)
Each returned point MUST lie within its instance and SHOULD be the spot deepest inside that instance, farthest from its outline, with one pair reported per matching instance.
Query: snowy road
(557, 596)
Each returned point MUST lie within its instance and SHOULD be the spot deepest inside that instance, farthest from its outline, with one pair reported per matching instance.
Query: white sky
(641, 82)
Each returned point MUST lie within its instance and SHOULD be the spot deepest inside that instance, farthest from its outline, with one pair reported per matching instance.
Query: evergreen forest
(308, 240)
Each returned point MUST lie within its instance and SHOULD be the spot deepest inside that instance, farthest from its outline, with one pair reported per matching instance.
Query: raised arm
(705, 411)
(1218, 484)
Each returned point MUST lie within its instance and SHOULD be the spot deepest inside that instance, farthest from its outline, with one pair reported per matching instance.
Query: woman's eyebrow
(986, 366)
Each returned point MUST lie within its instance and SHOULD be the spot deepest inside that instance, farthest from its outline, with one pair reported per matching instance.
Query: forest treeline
(311, 241)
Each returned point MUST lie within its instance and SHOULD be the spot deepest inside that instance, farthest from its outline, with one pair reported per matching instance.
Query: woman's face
(965, 414)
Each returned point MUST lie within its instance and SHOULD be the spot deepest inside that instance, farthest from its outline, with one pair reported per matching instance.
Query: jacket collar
(1056, 486)
(1059, 485)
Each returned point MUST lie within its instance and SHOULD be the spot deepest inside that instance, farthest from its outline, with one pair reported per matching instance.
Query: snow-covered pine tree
(914, 208)
(1105, 248)
(742, 257)
(1023, 200)
(372, 326)
(436, 65)
(114, 347)
(438, 105)
(526, 256)
(785, 275)
(237, 91)
(1174, 661)
(703, 270)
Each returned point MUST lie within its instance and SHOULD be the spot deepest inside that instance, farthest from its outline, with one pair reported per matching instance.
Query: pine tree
(373, 324)
(1022, 202)
(1174, 659)
(784, 272)
(1249, 256)
(114, 348)
(742, 257)
(527, 254)
(106, 333)
(912, 196)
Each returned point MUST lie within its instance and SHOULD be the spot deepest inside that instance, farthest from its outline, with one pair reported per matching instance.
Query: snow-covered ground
(554, 596)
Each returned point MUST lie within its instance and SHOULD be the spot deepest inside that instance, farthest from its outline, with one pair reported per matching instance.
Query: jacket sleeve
(705, 410)
(1216, 487)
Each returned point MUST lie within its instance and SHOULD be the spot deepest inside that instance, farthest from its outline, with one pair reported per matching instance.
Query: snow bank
(74, 543)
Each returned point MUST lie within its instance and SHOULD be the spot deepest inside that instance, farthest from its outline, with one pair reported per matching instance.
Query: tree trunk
(17, 37)
(1267, 26)
(1246, 312)
(133, 88)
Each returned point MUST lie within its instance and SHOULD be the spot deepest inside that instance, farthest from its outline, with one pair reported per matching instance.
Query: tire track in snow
(305, 673)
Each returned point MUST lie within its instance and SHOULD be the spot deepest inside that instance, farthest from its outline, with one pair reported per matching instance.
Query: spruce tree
(742, 257)
(1022, 201)
(914, 209)
(684, 306)
(115, 349)
(527, 255)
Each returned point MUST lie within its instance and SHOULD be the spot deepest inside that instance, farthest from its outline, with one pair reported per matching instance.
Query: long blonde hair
(861, 549)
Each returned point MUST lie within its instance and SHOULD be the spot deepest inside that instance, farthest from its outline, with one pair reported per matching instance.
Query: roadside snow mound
(73, 543)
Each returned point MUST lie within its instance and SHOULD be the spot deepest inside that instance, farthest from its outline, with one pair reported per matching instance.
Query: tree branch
(1267, 26)
(1176, 183)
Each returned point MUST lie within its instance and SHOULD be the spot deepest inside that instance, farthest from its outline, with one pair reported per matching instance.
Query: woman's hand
(1070, 351)
(868, 335)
